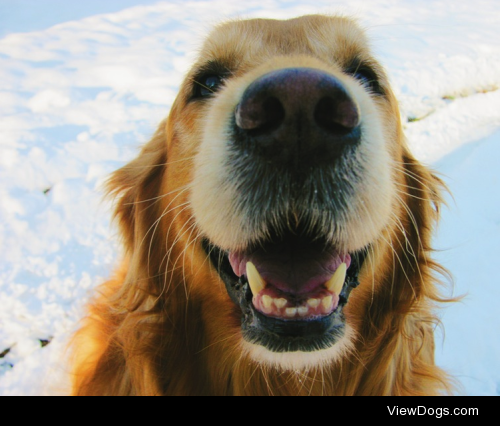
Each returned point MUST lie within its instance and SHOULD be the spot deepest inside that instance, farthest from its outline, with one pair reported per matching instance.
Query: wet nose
(297, 115)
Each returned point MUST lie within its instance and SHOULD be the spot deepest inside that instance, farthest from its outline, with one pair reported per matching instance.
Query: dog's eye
(368, 78)
(207, 85)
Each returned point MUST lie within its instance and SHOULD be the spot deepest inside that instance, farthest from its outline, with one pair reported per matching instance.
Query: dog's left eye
(368, 78)
(207, 85)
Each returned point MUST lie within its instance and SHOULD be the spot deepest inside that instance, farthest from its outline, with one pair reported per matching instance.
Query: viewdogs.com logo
(434, 412)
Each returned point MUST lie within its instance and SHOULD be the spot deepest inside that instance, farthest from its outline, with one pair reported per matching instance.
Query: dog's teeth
(280, 303)
(327, 303)
(256, 282)
(313, 303)
(303, 311)
(267, 301)
(291, 312)
(337, 281)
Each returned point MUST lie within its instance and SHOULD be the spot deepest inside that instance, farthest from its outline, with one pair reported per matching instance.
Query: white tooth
(267, 301)
(313, 303)
(257, 283)
(303, 311)
(327, 303)
(291, 312)
(267, 304)
(337, 281)
(280, 303)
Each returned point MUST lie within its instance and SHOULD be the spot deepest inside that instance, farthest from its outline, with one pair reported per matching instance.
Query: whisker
(410, 195)
(166, 287)
(152, 166)
(414, 177)
(160, 197)
(232, 336)
(202, 85)
(156, 228)
(165, 212)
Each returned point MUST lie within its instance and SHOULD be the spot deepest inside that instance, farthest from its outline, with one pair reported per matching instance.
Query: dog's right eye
(207, 85)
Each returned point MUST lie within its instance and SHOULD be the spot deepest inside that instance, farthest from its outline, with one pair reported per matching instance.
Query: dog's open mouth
(291, 290)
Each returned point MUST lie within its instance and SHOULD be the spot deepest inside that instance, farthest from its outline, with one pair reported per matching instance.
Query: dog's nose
(298, 115)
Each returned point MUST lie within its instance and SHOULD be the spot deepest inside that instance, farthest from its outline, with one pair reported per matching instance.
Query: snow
(77, 99)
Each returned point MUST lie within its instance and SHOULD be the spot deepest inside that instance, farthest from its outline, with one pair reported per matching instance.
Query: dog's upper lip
(291, 267)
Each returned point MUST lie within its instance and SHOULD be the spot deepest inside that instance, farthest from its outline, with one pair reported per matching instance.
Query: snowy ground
(77, 99)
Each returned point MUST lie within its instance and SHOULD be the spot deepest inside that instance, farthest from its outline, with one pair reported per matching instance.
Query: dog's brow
(214, 66)
(355, 64)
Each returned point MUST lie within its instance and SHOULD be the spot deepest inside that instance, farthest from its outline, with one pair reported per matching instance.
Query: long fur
(164, 324)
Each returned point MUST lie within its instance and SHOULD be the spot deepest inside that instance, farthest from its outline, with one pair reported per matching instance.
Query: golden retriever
(276, 231)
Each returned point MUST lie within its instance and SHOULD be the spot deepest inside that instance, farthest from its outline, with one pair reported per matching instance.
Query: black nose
(301, 116)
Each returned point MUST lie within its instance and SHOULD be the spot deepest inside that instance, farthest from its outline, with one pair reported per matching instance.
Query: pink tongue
(292, 267)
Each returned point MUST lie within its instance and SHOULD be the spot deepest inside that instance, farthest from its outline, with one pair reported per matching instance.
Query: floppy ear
(137, 187)
(423, 207)
(424, 191)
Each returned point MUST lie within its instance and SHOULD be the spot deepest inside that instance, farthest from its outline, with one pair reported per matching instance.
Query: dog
(276, 231)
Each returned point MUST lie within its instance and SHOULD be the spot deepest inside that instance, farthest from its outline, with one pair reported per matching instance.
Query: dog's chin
(301, 361)
(291, 292)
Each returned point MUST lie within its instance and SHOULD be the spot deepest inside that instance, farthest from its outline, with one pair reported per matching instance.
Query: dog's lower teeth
(280, 303)
(267, 301)
(327, 303)
(303, 311)
(282, 308)
(314, 303)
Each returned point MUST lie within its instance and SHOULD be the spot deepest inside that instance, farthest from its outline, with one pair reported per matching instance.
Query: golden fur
(164, 325)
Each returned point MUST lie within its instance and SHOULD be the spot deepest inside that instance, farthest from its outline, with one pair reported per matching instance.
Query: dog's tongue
(291, 267)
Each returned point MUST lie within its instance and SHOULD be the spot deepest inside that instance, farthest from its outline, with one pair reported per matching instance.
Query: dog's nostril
(297, 116)
(337, 115)
(259, 114)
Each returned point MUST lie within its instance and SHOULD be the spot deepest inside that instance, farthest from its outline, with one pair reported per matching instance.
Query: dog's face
(283, 162)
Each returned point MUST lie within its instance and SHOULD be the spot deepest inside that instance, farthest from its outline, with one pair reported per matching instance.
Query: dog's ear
(424, 189)
(137, 186)
(423, 204)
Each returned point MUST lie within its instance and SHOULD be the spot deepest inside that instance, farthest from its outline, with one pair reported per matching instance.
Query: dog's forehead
(245, 41)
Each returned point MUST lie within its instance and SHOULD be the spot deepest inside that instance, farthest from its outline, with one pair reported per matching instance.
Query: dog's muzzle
(293, 139)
